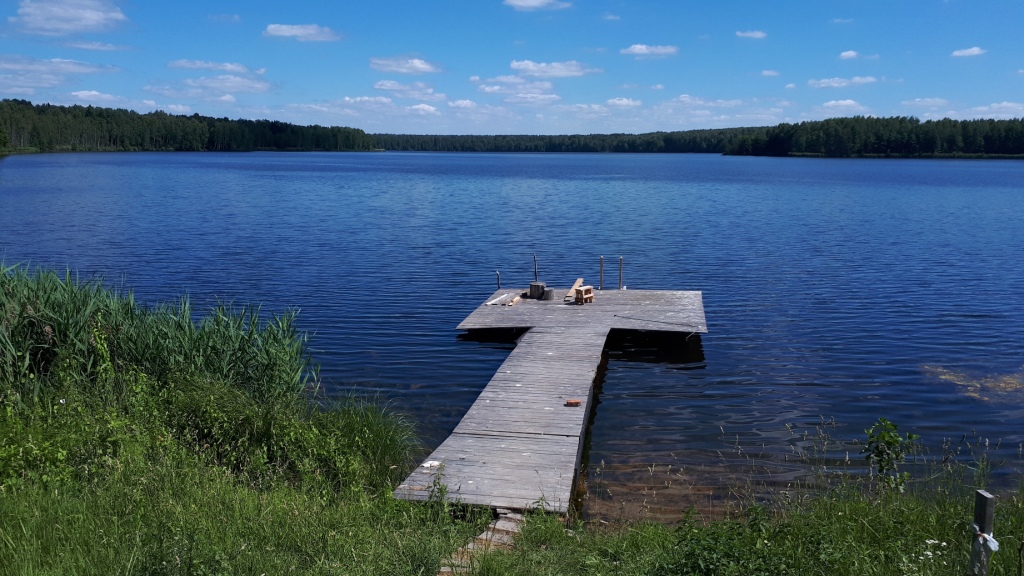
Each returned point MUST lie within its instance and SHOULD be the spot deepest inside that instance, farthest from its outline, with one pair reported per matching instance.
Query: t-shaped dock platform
(519, 446)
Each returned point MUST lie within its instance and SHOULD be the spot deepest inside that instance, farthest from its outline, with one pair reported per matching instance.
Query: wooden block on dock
(572, 291)
(584, 294)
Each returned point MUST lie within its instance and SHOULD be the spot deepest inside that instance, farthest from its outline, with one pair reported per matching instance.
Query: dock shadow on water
(501, 336)
(682, 351)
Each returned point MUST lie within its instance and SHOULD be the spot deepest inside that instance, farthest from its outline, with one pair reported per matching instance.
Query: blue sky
(521, 66)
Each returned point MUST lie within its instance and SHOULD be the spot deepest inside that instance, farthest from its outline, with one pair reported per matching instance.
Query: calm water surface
(834, 289)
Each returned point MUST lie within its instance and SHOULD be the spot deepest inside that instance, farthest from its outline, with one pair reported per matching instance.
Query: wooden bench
(584, 294)
(571, 294)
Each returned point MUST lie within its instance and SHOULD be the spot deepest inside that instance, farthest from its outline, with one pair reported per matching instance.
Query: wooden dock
(520, 444)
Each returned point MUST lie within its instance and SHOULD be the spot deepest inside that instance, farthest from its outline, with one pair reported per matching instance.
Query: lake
(836, 291)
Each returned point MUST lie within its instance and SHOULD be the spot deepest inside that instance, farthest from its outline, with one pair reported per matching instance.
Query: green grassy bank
(140, 440)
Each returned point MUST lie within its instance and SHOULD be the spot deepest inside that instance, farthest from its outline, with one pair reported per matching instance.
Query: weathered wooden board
(503, 471)
(519, 445)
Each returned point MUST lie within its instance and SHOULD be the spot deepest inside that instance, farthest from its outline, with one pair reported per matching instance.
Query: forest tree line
(700, 141)
(858, 136)
(904, 136)
(48, 128)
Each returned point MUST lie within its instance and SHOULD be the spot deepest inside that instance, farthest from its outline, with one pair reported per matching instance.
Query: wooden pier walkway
(520, 444)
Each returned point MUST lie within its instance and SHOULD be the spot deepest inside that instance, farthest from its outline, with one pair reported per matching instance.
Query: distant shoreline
(952, 156)
(27, 128)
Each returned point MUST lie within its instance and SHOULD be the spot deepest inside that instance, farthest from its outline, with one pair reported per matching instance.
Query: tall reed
(54, 328)
(85, 370)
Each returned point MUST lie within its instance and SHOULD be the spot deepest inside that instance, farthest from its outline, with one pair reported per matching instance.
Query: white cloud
(535, 99)
(508, 79)
(51, 66)
(974, 51)
(640, 50)
(999, 110)
(550, 69)
(424, 109)
(843, 105)
(688, 100)
(358, 101)
(757, 34)
(94, 96)
(5, 88)
(688, 111)
(769, 72)
(63, 17)
(584, 110)
(536, 4)
(302, 32)
(414, 91)
(381, 114)
(204, 65)
(403, 65)
(366, 100)
(229, 83)
(848, 55)
(220, 88)
(791, 85)
(624, 103)
(97, 46)
(842, 20)
(23, 76)
(348, 106)
(474, 78)
(177, 108)
(513, 85)
(610, 16)
(834, 108)
(841, 82)
(926, 102)
(658, 87)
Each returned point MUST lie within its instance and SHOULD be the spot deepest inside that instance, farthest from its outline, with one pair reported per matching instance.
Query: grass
(147, 441)
(845, 527)
(177, 516)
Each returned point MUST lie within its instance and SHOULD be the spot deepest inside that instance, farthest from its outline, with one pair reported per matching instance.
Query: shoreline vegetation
(153, 440)
(30, 128)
